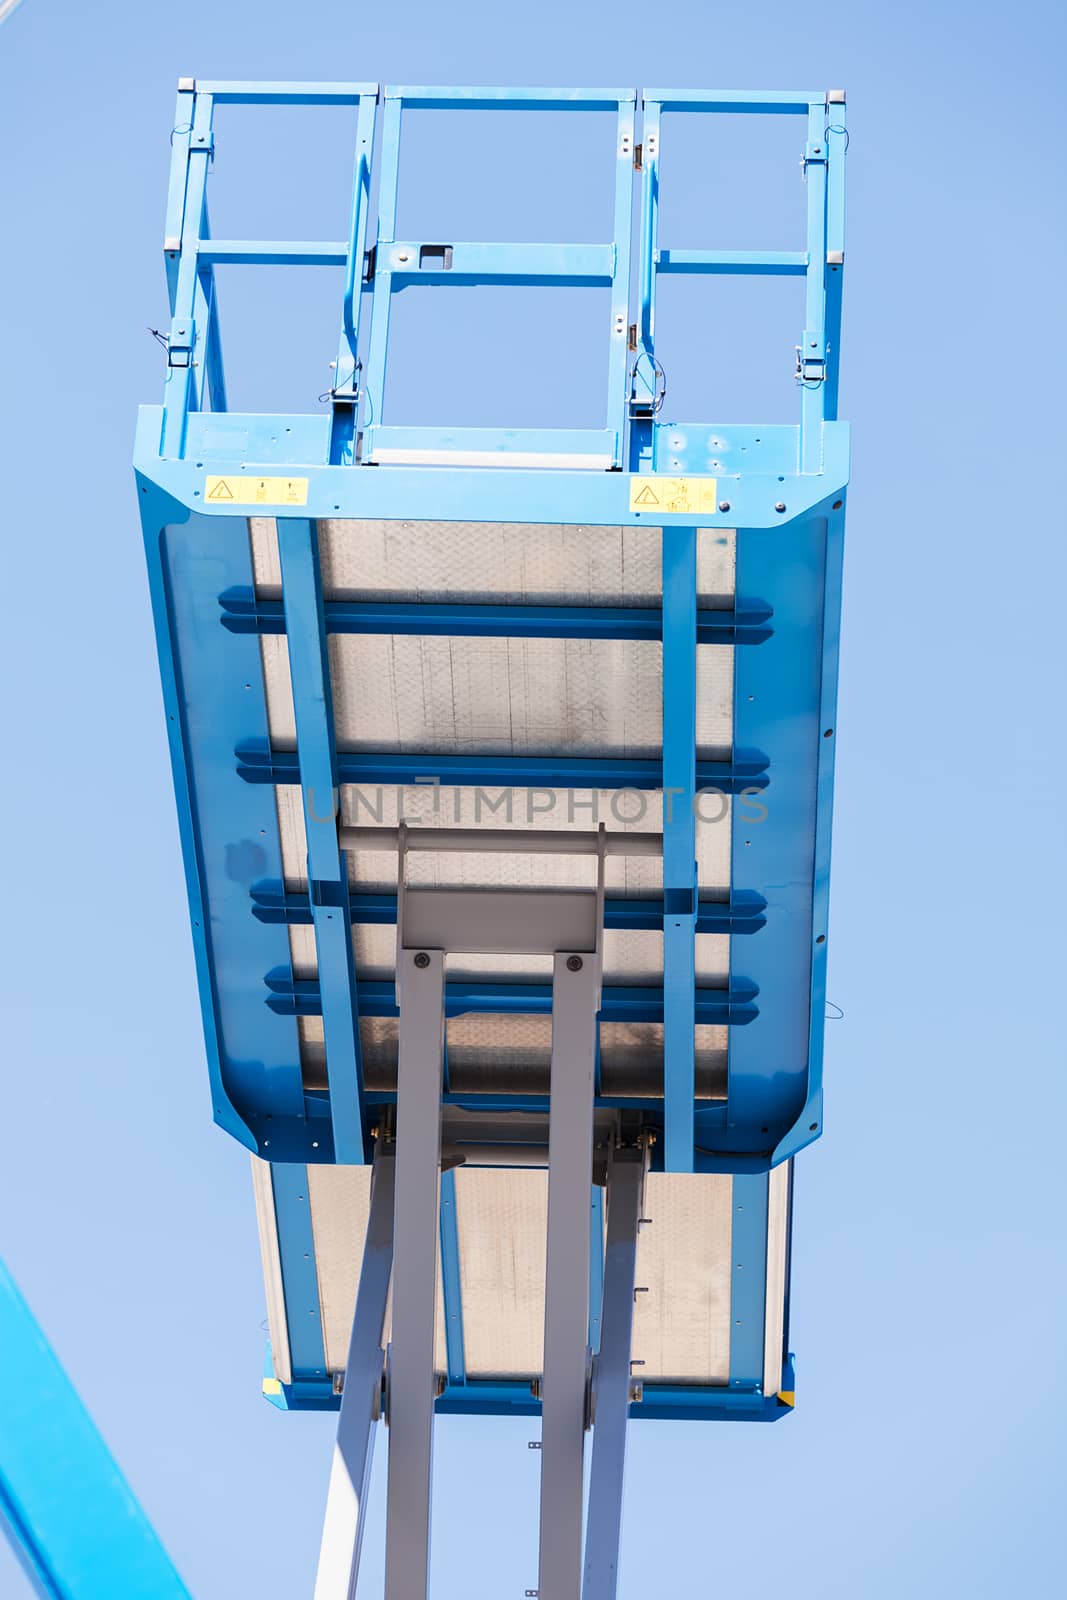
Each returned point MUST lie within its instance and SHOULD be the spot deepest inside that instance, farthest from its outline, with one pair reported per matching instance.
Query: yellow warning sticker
(676, 496)
(242, 491)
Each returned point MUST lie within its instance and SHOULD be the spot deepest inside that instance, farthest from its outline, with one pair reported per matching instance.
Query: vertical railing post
(187, 342)
(813, 339)
(620, 292)
(381, 304)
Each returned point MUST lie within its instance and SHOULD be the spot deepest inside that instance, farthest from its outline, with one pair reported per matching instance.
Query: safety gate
(504, 760)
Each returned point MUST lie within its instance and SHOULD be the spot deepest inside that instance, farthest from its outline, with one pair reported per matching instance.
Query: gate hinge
(814, 153)
(369, 260)
(181, 342)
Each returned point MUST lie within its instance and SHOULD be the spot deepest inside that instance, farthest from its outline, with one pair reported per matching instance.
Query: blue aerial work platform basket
(504, 764)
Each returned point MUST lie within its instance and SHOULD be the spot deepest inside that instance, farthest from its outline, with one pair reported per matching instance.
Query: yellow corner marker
(242, 491)
(787, 1397)
(271, 1386)
(675, 496)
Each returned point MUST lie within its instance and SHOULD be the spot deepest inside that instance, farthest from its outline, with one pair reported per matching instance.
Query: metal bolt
(780, 506)
(724, 505)
(422, 959)
(574, 963)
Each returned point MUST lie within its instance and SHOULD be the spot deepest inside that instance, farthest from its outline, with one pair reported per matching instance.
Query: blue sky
(928, 1304)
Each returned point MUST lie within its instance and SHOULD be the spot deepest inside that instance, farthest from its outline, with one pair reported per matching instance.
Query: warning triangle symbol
(221, 491)
(647, 497)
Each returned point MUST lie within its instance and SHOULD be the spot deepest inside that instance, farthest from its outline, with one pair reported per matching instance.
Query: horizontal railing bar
(755, 263)
(743, 913)
(745, 771)
(272, 252)
(765, 101)
(487, 262)
(245, 612)
(619, 1003)
(430, 97)
(521, 841)
(228, 92)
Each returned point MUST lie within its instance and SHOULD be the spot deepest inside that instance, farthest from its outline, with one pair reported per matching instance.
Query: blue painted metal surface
(679, 843)
(309, 670)
(781, 487)
(450, 1282)
(72, 1518)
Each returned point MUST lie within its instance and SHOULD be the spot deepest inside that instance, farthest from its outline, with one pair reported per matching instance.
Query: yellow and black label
(242, 491)
(676, 496)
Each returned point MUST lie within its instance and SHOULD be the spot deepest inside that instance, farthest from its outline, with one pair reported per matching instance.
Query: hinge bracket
(181, 342)
(811, 358)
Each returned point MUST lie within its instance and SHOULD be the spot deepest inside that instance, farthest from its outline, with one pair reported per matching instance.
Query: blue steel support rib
(300, 1276)
(450, 1281)
(748, 1277)
(327, 870)
(679, 844)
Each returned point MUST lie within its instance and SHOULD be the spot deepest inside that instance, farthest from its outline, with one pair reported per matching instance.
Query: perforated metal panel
(682, 1311)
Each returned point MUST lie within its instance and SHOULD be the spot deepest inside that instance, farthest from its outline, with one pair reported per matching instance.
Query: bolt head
(574, 963)
(780, 506)
(724, 505)
(422, 959)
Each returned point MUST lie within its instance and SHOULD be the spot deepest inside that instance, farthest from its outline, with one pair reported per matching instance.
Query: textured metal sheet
(496, 1053)
(527, 563)
(340, 1201)
(533, 697)
(682, 1319)
(538, 697)
(502, 1220)
(682, 1323)
(427, 807)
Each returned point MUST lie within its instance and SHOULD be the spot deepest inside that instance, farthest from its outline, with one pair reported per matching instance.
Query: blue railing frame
(782, 488)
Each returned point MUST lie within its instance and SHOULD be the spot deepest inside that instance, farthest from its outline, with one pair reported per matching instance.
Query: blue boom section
(203, 470)
(70, 1515)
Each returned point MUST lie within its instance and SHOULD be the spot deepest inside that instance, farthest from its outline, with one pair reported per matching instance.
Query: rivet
(780, 506)
(724, 505)
(574, 963)
(422, 959)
